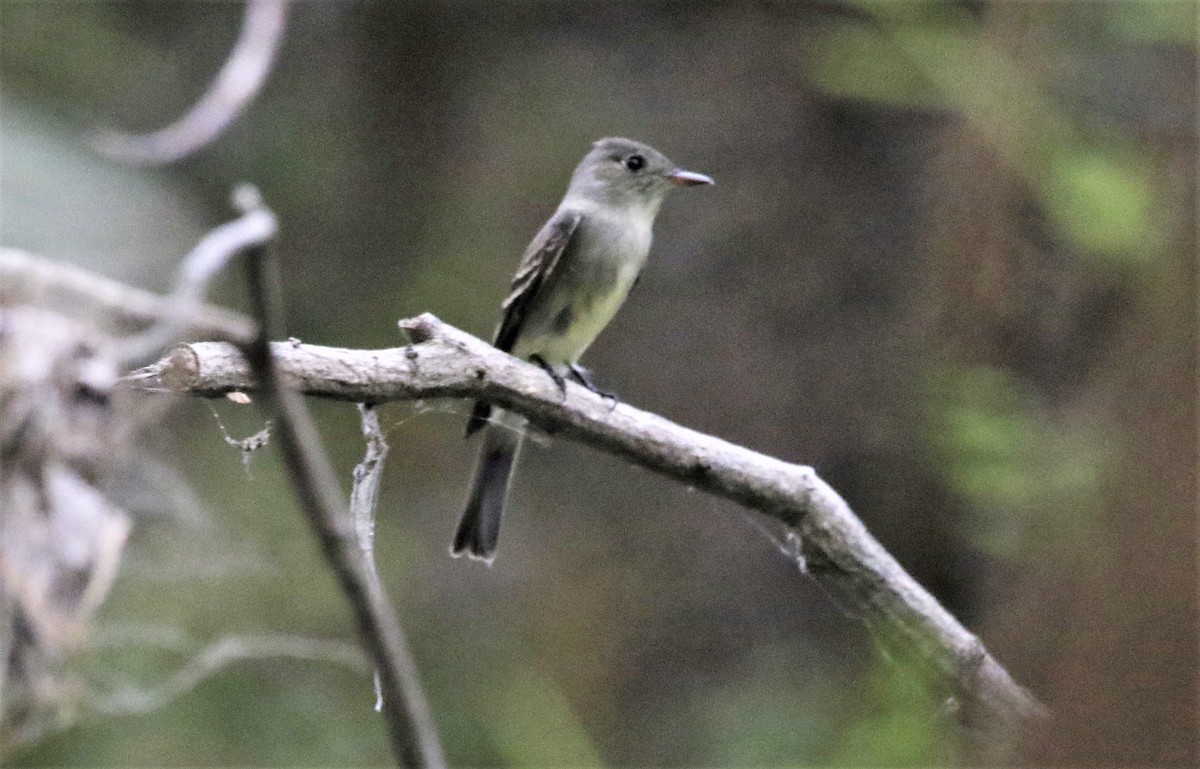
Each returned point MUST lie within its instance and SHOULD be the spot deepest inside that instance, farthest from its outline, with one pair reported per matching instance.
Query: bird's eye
(635, 162)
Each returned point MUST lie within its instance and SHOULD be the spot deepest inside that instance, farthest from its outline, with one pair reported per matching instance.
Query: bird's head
(624, 172)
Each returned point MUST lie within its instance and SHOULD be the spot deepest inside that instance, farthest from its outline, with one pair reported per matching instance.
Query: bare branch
(838, 550)
(236, 85)
(29, 279)
(410, 724)
(204, 263)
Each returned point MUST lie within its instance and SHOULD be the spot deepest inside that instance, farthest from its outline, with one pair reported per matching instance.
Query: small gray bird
(572, 279)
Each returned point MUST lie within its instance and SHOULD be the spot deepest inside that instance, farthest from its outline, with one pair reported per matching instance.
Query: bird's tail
(479, 528)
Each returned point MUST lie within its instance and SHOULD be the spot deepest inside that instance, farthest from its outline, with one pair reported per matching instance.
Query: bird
(572, 278)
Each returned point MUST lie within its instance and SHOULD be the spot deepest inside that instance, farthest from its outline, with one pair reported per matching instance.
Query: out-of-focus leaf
(1028, 479)
(901, 727)
(535, 725)
(1102, 201)
(856, 62)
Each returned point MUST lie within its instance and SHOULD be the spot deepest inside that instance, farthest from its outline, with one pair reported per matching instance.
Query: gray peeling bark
(837, 550)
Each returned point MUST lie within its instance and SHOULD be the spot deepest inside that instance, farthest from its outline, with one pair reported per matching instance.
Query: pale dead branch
(836, 548)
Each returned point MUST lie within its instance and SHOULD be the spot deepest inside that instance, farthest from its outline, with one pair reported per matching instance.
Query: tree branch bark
(836, 548)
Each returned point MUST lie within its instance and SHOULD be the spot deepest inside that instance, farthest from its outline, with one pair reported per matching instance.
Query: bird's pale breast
(588, 286)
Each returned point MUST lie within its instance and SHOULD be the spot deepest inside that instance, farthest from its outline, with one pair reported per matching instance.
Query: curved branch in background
(202, 264)
(835, 547)
(129, 701)
(236, 85)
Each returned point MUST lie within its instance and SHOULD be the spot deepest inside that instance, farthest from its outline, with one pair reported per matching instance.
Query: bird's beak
(681, 178)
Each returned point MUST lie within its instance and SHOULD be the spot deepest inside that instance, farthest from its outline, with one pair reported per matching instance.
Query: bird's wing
(537, 264)
(539, 261)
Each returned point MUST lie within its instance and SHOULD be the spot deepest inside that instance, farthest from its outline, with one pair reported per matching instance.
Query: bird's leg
(559, 382)
(584, 377)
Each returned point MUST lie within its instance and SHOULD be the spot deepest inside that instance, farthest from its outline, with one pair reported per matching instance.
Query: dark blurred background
(949, 261)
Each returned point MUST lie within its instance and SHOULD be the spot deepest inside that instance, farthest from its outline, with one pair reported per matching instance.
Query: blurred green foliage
(532, 723)
(1102, 198)
(902, 725)
(1029, 478)
(1156, 22)
(934, 56)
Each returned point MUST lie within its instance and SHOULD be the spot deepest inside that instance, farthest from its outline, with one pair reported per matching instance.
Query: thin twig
(837, 549)
(364, 501)
(236, 85)
(364, 496)
(410, 724)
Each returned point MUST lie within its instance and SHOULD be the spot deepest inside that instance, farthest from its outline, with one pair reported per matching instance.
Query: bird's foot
(584, 377)
(559, 382)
